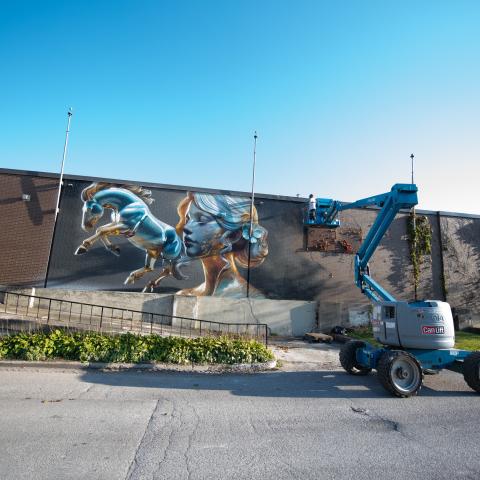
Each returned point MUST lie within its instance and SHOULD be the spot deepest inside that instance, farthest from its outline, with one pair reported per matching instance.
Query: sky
(340, 93)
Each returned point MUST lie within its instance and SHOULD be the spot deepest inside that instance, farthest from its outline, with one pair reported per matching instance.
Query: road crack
(174, 417)
(189, 444)
(84, 392)
(374, 418)
(134, 463)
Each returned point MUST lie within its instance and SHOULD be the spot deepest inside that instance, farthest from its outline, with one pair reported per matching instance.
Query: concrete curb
(146, 367)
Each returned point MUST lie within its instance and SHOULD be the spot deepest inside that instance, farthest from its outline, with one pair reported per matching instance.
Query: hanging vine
(420, 242)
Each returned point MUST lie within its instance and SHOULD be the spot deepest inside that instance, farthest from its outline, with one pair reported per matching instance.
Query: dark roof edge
(67, 176)
(10, 171)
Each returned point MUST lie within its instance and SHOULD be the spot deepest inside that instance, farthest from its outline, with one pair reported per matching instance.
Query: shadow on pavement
(298, 384)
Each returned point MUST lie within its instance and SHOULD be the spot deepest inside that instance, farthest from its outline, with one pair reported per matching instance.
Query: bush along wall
(130, 348)
(420, 243)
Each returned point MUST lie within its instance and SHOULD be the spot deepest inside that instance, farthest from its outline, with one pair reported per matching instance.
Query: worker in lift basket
(312, 206)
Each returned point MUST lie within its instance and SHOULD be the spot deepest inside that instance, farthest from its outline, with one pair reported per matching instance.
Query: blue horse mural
(131, 218)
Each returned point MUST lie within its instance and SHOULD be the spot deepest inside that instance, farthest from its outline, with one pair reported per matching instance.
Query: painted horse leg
(115, 249)
(150, 260)
(102, 232)
(173, 269)
(152, 284)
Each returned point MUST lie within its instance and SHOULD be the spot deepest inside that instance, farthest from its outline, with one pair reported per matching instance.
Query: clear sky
(340, 92)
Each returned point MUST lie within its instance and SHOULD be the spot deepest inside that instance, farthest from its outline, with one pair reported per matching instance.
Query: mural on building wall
(216, 230)
(131, 218)
(213, 229)
(299, 264)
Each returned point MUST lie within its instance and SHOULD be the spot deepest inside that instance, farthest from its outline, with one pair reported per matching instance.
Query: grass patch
(131, 348)
(463, 340)
(365, 334)
(467, 341)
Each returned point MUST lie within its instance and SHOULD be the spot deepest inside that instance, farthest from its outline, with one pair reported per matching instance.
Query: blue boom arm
(401, 196)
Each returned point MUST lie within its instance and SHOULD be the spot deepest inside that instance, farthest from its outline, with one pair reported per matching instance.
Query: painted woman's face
(201, 233)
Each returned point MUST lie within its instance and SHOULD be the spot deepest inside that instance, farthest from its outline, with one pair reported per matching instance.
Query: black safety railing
(23, 312)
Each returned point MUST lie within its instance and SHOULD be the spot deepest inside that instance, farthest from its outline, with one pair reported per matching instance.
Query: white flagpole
(69, 114)
(255, 136)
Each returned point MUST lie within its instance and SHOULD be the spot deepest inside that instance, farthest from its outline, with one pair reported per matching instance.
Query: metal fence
(22, 312)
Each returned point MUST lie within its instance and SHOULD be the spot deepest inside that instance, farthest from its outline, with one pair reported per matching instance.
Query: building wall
(461, 253)
(26, 228)
(289, 272)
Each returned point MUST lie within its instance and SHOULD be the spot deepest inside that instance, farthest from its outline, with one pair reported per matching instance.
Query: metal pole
(250, 234)
(412, 156)
(69, 115)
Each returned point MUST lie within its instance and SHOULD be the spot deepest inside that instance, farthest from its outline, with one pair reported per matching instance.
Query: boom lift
(416, 336)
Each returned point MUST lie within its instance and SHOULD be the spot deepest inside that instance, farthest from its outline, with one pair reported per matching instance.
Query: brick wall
(25, 228)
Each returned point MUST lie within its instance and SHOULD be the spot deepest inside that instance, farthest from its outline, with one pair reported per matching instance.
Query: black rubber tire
(348, 358)
(386, 371)
(471, 371)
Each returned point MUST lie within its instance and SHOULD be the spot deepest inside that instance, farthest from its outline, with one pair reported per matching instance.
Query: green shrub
(130, 348)
(420, 242)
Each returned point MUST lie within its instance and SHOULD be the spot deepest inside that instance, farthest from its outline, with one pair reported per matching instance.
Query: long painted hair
(233, 215)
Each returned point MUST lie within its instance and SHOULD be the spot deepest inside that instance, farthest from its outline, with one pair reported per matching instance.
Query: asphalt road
(296, 423)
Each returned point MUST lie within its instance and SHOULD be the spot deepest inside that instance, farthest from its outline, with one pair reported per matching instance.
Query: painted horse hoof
(80, 250)
(129, 280)
(148, 288)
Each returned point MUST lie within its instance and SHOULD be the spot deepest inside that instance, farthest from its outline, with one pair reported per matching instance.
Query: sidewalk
(298, 355)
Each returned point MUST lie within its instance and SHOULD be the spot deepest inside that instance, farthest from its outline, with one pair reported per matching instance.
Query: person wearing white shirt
(312, 207)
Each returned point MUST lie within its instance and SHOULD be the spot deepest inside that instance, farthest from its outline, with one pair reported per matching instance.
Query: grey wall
(461, 254)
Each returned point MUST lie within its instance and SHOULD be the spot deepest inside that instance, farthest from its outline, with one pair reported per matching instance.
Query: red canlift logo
(432, 330)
